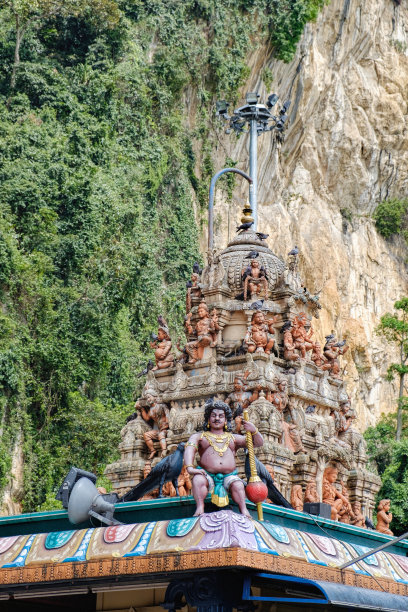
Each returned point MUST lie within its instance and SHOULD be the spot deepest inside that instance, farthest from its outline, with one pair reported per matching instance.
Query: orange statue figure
(206, 329)
(258, 337)
(156, 415)
(162, 347)
(184, 483)
(317, 356)
(255, 280)
(311, 495)
(296, 497)
(301, 337)
(272, 475)
(384, 517)
(358, 520)
(331, 495)
(289, 352)
(332, 350)
(346, 514)
(146, 471)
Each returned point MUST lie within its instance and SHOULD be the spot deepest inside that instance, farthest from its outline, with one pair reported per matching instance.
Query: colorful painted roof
(219, 539)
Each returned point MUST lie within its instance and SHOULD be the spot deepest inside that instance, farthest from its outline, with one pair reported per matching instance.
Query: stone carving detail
(311, 495)
(214, 274)
(296, 497)
(162, 347)
(255, 281)
(332, 351)
(156, 416)
(205, 330)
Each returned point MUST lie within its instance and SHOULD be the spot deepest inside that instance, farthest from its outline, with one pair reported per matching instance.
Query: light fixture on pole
(255, 118)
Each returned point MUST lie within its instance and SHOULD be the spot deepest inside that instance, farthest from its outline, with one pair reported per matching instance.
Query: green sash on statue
(219, 496)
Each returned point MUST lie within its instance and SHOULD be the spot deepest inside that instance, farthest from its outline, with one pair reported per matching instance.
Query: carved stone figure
(358, 520)
(332, 350)
(311, 495)
(146, 471)
(291, 276)
(342, 422)
(301, 337)
(259, 334)
(162, 347)
(289, 352)
(331, 495)
(217, 472)
(184, 483)
(279, 398)
(317, 356)
(255, 280)
(205, 330)
(193, 289)
(346, 514)
(296, 497)
(156, 416)
(384, 517)
(272, 474)
(241, 397)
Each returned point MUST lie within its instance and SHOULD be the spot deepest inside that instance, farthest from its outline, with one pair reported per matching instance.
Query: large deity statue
(216, 471)
(156, 415)
(259, 334)
(205, 330)
(162, 347)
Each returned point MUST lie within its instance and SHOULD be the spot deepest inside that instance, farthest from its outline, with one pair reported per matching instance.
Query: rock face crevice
(346, 150)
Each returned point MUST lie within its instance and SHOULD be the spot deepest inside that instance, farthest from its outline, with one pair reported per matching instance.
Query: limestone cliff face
(346, 149)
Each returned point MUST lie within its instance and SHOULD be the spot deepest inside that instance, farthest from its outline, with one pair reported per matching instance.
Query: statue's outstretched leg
(163, 446)
(200, 492)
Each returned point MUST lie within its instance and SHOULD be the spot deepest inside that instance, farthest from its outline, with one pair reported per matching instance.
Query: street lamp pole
(253, 170)
(254, 118)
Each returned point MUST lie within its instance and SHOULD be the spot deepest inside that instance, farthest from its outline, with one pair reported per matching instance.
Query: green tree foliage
(391, 218)
(391, 460)
(394, 328)
(98, 232)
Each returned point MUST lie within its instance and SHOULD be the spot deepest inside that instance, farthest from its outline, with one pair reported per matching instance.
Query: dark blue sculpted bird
(294, 251)
(167, 469)
(274, 494)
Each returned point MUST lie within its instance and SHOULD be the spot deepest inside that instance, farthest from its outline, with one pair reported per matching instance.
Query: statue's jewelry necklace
(212, 439)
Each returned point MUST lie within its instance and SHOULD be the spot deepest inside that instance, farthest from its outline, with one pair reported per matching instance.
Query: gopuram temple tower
(250, 342)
